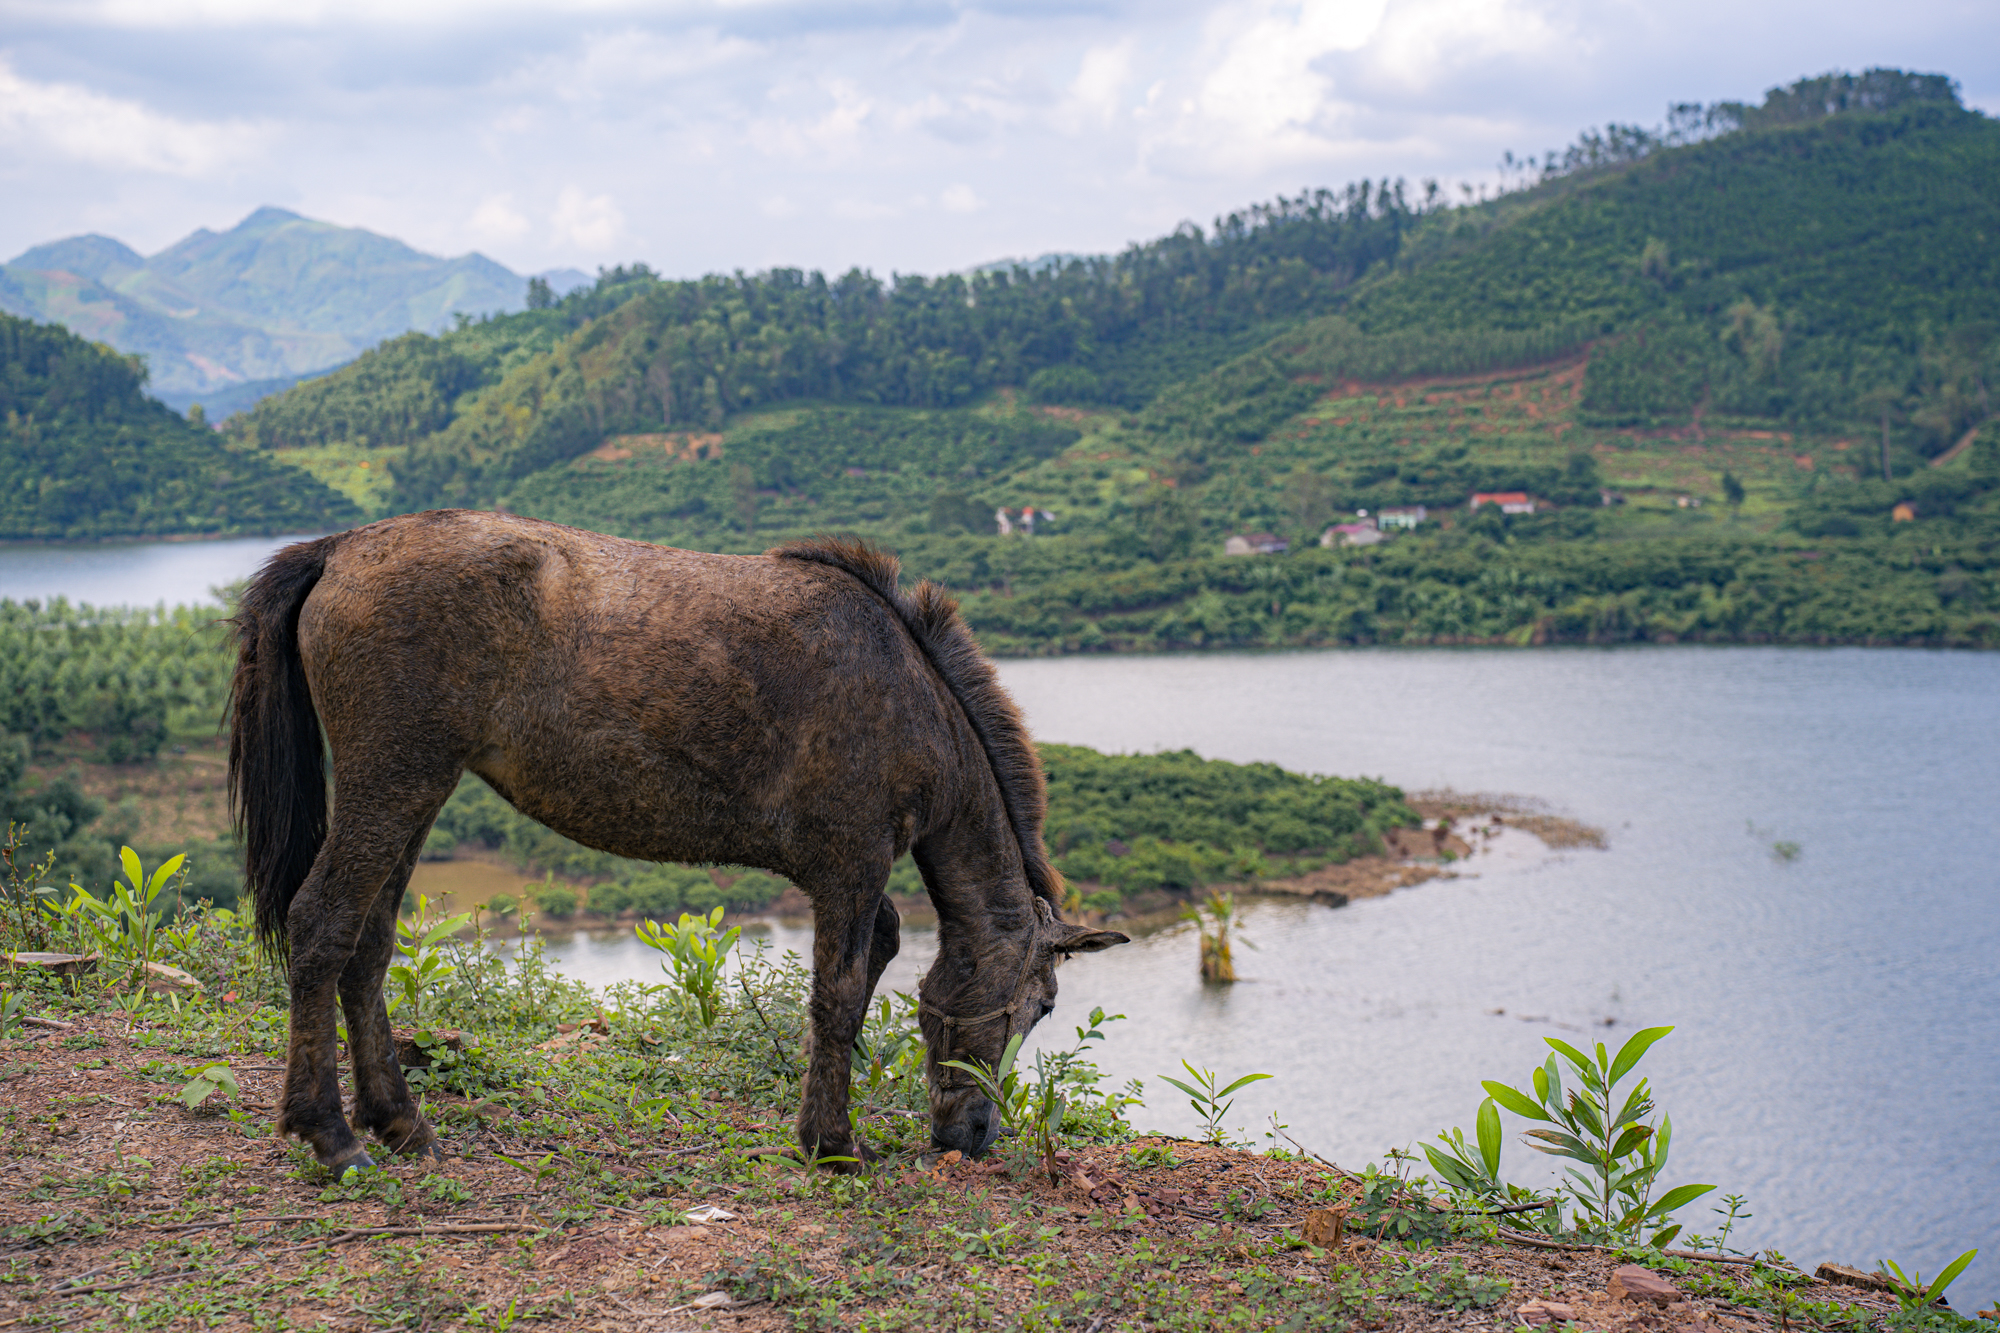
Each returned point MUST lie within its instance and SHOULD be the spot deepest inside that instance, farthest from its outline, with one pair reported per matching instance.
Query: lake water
(1836, 1056)
(131, 573)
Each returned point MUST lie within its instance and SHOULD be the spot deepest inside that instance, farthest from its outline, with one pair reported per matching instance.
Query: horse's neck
(972, 866)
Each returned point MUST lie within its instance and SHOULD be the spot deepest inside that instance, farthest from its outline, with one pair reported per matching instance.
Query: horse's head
(974, 1000)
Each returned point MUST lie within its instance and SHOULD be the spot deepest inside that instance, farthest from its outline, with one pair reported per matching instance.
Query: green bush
(558, 900)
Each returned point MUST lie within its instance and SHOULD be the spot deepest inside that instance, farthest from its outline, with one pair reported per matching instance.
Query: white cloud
(496, 220)
(78, 123)
(960, 199)
(593, 223)
(1097, 91)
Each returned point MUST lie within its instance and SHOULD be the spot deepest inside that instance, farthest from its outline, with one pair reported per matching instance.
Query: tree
(743, 493)
(1732, 490)
(540, 295)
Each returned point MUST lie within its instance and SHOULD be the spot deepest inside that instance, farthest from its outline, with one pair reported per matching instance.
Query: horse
(796, 711)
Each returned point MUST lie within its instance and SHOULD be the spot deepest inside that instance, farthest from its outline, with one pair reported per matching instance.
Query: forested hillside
(1718, 354)
(84, 453)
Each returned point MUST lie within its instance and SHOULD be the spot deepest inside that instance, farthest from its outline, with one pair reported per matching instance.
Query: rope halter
(952, 1022)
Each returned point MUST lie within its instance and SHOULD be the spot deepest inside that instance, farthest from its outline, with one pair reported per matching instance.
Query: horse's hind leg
(372, 831)
(382, 1102)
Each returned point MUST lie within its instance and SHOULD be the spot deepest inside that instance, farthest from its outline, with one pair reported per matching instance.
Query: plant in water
(1910, 1289)
(421, 941)
(1206, 1098)
(1624, 1154)
(696, 948)
(1214, 919)
(208, 1080)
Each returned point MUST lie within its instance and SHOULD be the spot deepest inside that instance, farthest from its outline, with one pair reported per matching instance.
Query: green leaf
(1636, 1107)
(1488, 1127)
(1566, 1145)
(1573, 1055)
(1950, 1274)
(1637, 1046)
(1247, 1078)
(1633, 1136)
(1586, 1114)
(1680, 1196)
(1517, 1102)
(1665, 1236)
(164, 873)
(1454, 1174)
(133, 870)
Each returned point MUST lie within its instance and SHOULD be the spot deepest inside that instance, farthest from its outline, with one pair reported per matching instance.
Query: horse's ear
(1065, 938)
(1045, 912)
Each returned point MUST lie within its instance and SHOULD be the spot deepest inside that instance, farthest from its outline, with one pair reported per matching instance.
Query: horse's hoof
(354, 1158)
(425, 1152)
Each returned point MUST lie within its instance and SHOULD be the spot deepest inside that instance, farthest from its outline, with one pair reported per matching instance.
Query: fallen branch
(239, 1222)
(53, 1023)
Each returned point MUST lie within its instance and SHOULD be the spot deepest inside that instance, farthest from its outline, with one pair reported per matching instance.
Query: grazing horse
(794, 711)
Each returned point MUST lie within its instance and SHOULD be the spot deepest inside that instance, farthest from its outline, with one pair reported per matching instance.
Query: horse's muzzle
(966, 1122)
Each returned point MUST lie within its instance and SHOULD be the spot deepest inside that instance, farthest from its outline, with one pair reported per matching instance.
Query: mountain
(85, 453)
(275, 298)
(1743, 364)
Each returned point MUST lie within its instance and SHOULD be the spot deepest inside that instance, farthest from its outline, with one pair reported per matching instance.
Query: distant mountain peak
(89, 256)
(270, 217)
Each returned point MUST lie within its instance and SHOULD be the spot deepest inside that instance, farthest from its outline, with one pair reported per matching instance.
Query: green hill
(1719, 354)
(85, 453)
(275, 297)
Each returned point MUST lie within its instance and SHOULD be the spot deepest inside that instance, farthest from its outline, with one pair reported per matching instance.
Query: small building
(1903, 513)
(1510, 502)
(1406, 517)
(1352, 534)
(1255, 543)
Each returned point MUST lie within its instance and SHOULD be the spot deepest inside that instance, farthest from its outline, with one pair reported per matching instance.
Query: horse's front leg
(842, 945)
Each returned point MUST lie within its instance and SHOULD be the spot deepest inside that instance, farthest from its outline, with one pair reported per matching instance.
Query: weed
(1207, 1099)
(696, 949)
(420, 940)
(206, 1081)
(1214, 919)
(1910, 1289)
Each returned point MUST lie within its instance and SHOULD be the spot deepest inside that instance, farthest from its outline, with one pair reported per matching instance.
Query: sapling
(1624, 1154)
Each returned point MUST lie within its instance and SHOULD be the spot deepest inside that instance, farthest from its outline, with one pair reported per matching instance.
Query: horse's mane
(931, 616)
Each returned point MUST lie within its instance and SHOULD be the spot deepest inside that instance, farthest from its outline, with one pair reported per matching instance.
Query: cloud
(593, 223)
(74, 122)
(960, 199)
(496, 220)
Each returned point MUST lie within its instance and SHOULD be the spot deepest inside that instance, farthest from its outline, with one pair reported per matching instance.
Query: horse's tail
(277, 764)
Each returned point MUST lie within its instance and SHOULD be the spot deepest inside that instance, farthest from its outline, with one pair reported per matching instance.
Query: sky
(912, 136)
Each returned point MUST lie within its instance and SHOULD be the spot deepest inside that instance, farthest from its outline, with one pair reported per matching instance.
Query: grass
(583, 1133)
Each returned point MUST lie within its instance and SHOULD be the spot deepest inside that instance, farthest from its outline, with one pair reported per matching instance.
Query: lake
(1836, 1053)
(1836, 1056)
(131, 573)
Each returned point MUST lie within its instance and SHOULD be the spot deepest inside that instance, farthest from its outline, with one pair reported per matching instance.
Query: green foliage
(84, 454)
(1913, 1293)
(422, 940)
(205, 1081)
(696, 950)
(1207, 1099)
(558, 900)
(125, 927)
(1178, 821)
(1623, 1154)
(393, 394)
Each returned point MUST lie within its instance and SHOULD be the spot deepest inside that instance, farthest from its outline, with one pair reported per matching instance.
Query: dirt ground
(120, 1207)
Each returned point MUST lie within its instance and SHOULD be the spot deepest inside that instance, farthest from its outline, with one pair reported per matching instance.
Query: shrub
(558, 900)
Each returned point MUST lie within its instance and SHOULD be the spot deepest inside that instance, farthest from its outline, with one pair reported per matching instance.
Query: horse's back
(632, 696)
